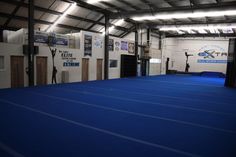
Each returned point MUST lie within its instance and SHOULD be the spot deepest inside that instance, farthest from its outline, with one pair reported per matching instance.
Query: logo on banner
(212, 54)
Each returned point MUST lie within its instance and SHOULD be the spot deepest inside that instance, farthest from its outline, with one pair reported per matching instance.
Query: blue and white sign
(68, 59)
(212, 54)
(61, 40)
(40, 37)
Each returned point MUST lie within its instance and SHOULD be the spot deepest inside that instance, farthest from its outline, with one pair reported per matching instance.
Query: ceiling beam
(13, 13)
(95, 23)
(203, 7)
(91, 7)
(112, 6)
(21, 18)
(129, 4)
(192, 3)
(9, 28)
(150, 5)
(22, 4)
(170, 2)
(218, 1)
(132, 29)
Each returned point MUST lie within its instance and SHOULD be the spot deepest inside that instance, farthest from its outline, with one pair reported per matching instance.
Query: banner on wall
(68, 59)
(131, 48)
(124, 45)
(212, 54)
(40, 37)
(98, 42)
(58, 39)
(117, 46)
(111, 45)
(61, 40)
(87, 45)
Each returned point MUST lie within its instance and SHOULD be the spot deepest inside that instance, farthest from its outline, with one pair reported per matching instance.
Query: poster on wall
(117, 46)
(98, 43)
(87, 45)
(61, 40)
(113, 63)
(111, 45)
(212, 54)
(131, 48)
(124, 45)
(40, 37)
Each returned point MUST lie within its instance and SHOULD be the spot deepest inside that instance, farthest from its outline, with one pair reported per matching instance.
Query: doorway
(85, 69)
(99, 69)
(17, 71)
(41, 70)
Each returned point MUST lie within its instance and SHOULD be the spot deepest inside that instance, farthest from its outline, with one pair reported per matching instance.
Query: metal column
(106, 55)
(31, 42)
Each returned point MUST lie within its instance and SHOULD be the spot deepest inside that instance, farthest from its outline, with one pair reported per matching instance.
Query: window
(2, 63)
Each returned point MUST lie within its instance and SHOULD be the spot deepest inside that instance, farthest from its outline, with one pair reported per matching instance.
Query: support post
(136, 50)
(31, 42)
(148, 36)
(106, 54)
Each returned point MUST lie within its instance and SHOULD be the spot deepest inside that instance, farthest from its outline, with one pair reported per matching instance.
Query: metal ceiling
(90, 17)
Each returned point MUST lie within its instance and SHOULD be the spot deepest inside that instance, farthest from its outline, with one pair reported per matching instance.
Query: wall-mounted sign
(40, 37)
(131, 48)
(87, 45)
(111, 45)
(55, 39)
(61, 40)
(124, 45)
(212, 54)
(68, 59)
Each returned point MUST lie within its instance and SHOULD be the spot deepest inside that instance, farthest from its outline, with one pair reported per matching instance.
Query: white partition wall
(207, 54)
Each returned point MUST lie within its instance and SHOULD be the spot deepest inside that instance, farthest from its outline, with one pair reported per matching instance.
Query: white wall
(75, 73)
(175, 49)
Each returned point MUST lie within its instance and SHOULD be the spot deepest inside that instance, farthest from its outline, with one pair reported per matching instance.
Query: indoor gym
(117, 78)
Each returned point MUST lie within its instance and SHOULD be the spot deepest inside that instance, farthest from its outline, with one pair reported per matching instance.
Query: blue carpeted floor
(161, 116)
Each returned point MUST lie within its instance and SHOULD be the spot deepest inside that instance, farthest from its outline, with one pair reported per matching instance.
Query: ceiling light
(95, 1)
(117, 23)
(186, 15)
(60, 18)
(191, 29)
(227, 30)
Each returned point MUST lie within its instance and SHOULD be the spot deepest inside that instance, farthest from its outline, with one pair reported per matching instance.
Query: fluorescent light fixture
(95, 1)
(155, 61)
(186, 15)
(117, 23)
(202, 31)
(227, 31)
(201, 28)
(179, 31)
(60, 18)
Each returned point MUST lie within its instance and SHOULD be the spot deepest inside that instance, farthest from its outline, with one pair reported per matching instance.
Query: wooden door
(85, 69)
(41, 70)
(99, 69)
(17, 71)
